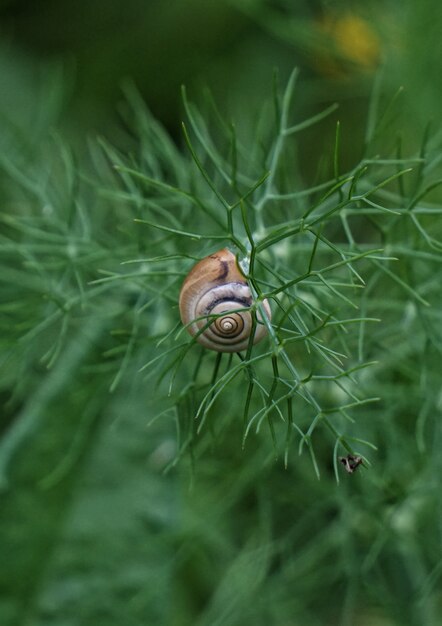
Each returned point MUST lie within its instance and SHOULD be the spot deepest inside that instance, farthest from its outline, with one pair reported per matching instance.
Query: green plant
(96, 370)
(323, 255)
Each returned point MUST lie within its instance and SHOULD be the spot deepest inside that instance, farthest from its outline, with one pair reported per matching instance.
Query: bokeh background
(231, 47)
(92, 530)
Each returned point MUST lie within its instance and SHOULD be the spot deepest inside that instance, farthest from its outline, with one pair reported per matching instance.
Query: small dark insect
(350, 462)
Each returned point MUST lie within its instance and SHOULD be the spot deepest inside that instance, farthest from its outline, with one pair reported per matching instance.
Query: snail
(216, 286)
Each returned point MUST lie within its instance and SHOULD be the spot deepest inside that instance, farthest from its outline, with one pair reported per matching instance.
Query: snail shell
(216, 286)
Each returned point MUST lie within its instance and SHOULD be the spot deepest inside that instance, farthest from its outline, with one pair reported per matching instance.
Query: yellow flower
(350, 45)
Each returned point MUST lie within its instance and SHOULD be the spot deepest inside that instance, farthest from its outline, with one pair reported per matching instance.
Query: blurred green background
(232, 47)
(92, 530)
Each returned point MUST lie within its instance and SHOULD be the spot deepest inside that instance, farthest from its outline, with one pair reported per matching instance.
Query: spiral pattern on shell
(216, 286)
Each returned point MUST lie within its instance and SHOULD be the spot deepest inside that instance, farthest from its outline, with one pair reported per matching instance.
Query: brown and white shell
(216, 286)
